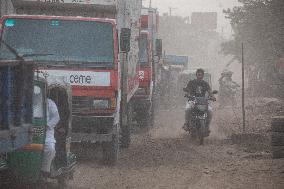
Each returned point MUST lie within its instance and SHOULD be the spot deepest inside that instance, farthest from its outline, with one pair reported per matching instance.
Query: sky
(186, 7)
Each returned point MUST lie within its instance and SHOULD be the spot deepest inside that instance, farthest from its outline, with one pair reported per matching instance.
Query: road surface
(165, 158)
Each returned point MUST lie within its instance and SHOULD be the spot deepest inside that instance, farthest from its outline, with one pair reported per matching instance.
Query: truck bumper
(93, 129)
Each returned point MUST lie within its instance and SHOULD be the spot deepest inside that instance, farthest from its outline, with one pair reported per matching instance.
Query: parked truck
(93, 44)
(176, 61)
(150, 51)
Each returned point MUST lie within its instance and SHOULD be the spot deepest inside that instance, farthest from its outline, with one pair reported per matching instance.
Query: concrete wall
(6, 7)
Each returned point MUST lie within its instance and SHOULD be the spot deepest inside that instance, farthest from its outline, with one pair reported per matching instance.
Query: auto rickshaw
(16, 84)
(25, 163)
(23, 119)
(16, 119)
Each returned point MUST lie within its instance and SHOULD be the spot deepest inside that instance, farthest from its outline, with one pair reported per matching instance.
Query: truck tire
(277, 139)
(125, 136)
(110, 151)
(152, 116)
(145, 118)
(125, 129)
(277, 124)
(277, 152)
(62, 182)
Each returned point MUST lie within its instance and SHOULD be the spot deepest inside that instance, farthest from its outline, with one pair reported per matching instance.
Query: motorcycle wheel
(200, 132)
(193, 133)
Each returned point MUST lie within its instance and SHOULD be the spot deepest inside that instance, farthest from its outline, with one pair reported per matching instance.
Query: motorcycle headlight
(202, 108)
(101, 104)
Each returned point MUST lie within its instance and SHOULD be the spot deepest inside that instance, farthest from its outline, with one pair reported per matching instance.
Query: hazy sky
(186, 7)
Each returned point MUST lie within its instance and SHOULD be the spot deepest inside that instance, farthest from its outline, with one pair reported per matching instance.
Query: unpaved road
(165, 158)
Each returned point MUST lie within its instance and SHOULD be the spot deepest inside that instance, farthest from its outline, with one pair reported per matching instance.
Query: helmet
(227, 73)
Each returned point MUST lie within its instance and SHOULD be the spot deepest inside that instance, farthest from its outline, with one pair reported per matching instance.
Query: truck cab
(144, 97)
(146, 66)
(93, 45)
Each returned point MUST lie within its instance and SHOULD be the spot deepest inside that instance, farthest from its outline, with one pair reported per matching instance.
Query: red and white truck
(93, 44)
(150, 51)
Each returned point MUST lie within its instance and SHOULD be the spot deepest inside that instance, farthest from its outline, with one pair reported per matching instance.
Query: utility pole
(243, 91)
(150, 4)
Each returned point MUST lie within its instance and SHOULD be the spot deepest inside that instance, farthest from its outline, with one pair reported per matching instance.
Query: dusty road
(166, 158)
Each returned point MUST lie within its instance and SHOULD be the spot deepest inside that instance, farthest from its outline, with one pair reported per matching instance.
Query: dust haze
(219, 36)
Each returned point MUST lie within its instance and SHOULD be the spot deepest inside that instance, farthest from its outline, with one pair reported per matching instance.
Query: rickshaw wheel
(62, 182)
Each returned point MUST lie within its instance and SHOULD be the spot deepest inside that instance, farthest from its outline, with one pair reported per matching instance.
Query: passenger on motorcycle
(228, 88)
(198, 88)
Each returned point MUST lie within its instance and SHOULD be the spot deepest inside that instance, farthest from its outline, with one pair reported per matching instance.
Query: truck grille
(81, 104)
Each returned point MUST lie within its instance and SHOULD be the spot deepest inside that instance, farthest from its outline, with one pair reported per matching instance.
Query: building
(6, 7)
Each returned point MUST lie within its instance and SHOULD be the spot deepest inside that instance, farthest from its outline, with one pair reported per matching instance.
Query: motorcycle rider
(228, 88)
(198, 88)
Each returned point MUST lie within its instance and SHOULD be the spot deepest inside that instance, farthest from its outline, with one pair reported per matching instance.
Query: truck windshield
(143, 50)
(59, 41)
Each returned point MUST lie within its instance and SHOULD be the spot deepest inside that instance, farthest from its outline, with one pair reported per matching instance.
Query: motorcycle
(228, 94)
(199, 117)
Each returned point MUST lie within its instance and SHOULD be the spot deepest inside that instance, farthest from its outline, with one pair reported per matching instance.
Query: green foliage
(259, 24)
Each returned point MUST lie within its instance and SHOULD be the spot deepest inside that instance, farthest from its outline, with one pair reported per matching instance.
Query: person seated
(49, 145)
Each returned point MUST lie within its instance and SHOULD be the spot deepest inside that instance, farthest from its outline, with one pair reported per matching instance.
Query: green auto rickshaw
(24, 164)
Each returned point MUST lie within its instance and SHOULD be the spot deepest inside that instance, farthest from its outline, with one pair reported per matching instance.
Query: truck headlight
(101, 104)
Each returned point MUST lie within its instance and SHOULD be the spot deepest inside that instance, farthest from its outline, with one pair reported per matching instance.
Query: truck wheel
(144, 118)
(125, 129)
(277, 139)
(62, 182)
(277, 124)
(152, 116)
(125, 136)
(110, 151)
(277, 152)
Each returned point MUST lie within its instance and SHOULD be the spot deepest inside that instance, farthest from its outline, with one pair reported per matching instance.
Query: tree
(259, 24)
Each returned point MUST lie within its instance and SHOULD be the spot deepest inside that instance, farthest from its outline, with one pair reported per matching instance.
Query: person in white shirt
(49, 146)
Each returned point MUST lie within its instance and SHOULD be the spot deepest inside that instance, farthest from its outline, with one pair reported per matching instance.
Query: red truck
(93, 45)
(150, 51)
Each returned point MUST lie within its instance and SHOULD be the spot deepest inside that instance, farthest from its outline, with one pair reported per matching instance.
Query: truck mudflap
(93, 129)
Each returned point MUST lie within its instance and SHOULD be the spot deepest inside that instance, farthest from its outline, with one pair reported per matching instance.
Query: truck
(150, 50)
(93, 44)
(176, 61)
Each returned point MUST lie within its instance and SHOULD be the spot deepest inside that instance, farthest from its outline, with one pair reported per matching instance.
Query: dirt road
(165, 158)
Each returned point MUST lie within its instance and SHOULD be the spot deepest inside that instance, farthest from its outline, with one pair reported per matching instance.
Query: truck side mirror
(159, 47)
(156, 59)
(125, 39)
